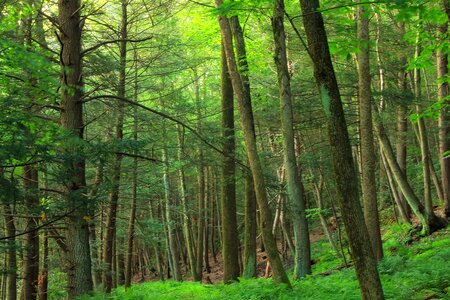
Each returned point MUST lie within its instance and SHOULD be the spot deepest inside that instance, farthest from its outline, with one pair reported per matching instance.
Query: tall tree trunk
(302, 257)
(444, 120)
(402, 120)
(43, 275)
(250, 270)
(186, 214)
(169, 216)
(368, 182)
(30, 265)
(207, 203)
(11, 258)
(201, 185)
(77, 234)
(31, 243)
(341, 152)
(242, 92)
(110, 234)
(134, 185)
(230, 242)
(423, 138)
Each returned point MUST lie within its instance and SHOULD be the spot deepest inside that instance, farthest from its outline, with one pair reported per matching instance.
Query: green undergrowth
(417, 271)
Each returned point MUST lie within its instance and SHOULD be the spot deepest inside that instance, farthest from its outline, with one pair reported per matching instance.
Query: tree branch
(95, 47)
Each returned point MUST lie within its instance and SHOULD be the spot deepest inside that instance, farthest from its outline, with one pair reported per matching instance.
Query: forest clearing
(224, 149)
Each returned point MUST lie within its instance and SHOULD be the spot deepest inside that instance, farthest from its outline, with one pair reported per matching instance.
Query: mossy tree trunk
(302, 250)
(230, 235)
(341, 152)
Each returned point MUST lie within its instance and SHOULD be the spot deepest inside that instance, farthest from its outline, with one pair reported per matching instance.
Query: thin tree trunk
(43, 275)
(368, 157)
(11, 258)
(206, 220)
(393, 188)
(318, 189)
(134, 186)
(169, 216)
(230, 242)
(402, 120)
(423, 138)
(249, 270)
(31, 243)
(201, 185)
(186, 214)
(444, 120)
(341, 153)
(302, 257)
(110, 234)
(242, 92)
(429, 220)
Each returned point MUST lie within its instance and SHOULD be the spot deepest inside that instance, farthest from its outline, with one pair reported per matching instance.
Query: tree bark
(302, 256)
(77, 234)
(250, 270)
(110, 234)
(11, 258)
(429, 220)
(230, 235)
(134, 186)
(170, 216)
(186, 214)
(368, 157)
(31, 243)
(444, 120)
(341, 153)
(242, 93)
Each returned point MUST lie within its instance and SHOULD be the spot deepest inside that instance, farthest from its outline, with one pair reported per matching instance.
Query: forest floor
(416, 271)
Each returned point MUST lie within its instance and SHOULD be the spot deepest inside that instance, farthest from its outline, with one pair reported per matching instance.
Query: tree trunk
(368, 157)
(393, 188)
(170, 217)
(444, 120)
(77, 234)
(43, 275)
(242, 92)
(249, 270)
(341, 153)
(30, 265)
(230, 235)
(402, 120)
(318, 191)
(110, 234)
(31, 243)
(201, 186)
(423, 138)
(11, 258)
(429, 220)
(302, 257)
(134, 185)
(186, 214)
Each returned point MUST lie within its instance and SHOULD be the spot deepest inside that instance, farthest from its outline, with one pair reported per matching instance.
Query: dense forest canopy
(221, 141)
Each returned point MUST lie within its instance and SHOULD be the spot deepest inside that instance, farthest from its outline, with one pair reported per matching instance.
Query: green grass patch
(408, 272)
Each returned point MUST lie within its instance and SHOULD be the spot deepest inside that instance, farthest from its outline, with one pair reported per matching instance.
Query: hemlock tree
(368, 164)
(302, 261)
(77, 233)
(341, 154)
